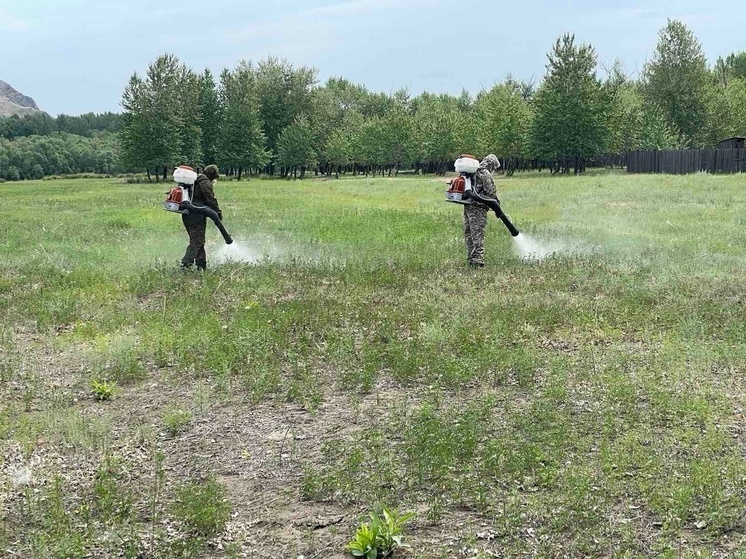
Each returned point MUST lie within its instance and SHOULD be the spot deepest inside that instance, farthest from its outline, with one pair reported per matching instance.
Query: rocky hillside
(14, 102)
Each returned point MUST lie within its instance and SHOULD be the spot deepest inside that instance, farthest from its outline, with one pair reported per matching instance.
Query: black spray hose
(208, 212)
(494, 205)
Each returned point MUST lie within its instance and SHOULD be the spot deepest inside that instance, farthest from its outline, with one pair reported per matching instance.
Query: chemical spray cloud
(237, 252)
(529, 248)
(264, 248)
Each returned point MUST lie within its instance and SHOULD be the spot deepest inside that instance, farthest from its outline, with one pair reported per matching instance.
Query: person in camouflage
(475, 214)
(196, 225)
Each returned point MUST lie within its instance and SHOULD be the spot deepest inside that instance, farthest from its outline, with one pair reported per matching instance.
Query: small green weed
(202, 507)
(113, 500)
(103, 389)
(381, 537)
(120, 359)
(176, 419)
(9, 356)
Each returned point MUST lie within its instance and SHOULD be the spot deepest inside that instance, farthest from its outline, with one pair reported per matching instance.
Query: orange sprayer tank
(176, 196)
(457, 190)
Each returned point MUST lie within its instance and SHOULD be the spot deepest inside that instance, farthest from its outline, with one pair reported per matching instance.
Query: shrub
(202, 507)
(176, 419)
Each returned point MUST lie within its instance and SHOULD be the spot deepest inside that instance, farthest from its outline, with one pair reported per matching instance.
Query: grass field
(587, 404)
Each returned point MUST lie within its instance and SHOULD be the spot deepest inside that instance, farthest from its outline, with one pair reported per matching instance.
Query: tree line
(274, 118)
(37, 145)
(41, 124)
(61, 153)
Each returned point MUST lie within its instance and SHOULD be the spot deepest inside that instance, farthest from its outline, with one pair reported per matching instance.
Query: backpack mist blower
(462, 190)
(179, 200)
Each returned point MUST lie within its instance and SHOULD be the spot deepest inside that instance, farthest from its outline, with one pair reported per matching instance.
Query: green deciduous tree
(41, 124)
(570, 106)
(736, 99)
(284, 93)
(189, 117)
(331, 106)
(624, 110)
(210, 116)
(242, 142)
(160, 124)
(339, 150)
(655, 132)
(504, 121)
(398, 133)
(676, 80)
(295, 149)
(439, 127)
(731, 67)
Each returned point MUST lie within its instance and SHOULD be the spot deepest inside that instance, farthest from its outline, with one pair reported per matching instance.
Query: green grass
(588, 404)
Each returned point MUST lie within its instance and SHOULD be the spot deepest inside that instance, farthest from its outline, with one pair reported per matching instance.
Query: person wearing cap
(195, 224)
(475, 214)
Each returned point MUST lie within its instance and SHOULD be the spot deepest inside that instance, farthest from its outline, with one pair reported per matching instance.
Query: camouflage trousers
(475, 223)
(196, 227)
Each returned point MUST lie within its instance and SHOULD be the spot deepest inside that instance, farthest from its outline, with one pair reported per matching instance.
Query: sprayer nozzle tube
(504, 218)
(212, 214)
(494, 205)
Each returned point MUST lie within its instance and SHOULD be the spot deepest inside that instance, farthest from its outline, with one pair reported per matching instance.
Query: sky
(76, 56)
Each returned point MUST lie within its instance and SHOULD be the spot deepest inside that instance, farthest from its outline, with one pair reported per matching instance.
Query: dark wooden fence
(670, 162)
(687, 161)
(676, 162)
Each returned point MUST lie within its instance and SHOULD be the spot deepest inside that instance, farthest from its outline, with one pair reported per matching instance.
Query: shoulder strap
(195, 186)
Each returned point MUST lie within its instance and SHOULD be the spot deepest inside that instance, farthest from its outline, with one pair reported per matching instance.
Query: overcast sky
(75, 56)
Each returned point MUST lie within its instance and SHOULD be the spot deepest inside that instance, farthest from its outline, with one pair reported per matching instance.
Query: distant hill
(13, 102)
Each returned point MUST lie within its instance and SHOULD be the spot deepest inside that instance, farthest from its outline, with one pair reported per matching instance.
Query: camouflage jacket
(204, 195)
(484, 185)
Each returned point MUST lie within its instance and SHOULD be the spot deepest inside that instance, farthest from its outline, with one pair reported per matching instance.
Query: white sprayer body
(458, 192)
(185, 175)
(468, 165)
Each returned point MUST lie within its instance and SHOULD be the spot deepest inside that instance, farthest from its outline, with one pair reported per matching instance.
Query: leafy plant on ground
(103, 389)
(381, 537)
(364, 544)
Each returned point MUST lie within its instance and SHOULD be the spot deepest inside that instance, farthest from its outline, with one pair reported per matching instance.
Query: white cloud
(358, 7)
(659, 15)
(10, 23)
(257, 31)
(327, 16)
(637, 13)
(292, 38)
(694, 20)
(617, 15)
